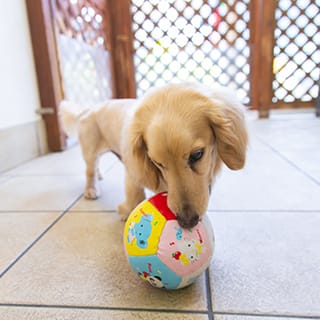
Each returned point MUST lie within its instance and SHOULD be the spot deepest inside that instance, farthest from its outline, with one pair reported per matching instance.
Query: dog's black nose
(188, 221)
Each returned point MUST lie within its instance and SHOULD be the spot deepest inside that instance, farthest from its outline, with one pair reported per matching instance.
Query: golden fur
(175, 139)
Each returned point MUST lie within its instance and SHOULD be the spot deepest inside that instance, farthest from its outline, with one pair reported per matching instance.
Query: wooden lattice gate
(83, 52)
(83, 43)
(296, 53)
(233, 42)
(204, 40)
(268, 51)
(94, 42)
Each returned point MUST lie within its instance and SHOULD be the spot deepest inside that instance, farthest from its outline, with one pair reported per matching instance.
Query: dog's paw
(123, 211)
(91, 193)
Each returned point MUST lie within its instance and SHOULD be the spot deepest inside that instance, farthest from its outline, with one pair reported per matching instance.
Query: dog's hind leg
(91, 190)
(90, 141)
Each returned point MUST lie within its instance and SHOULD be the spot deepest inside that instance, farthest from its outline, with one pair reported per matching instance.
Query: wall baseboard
(21, 143)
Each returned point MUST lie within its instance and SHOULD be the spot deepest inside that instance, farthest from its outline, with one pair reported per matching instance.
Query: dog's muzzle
(188, 221)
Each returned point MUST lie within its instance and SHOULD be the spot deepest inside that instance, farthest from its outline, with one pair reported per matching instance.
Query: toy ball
(160, 251)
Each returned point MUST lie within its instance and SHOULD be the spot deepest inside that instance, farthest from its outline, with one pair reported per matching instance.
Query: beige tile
(3, 178)
(81, 262)
(111, 190)
(23, 313)
(288, 131)
(254, 144)
(69, 162)
(266, 263)
(268, 182)
(18, 231)
(40, 193)
(308, 160)
(295, 137)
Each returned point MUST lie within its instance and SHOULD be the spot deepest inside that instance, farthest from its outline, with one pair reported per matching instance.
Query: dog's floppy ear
(138, 160)
(227, 121)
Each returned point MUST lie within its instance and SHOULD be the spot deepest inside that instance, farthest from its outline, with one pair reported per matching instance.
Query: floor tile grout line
(112, 165)
(2, 211)
(8, 176)
(37, 175)
(267, 315)
(106, 308)
(30, 211)
(64, 212)
(180, 311)
(54, 211)
(289, 161)
(208, 295)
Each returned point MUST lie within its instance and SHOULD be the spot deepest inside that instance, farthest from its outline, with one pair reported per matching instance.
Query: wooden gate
(296, 53)
(204, 40)
(83, 52)
(266, 50)
(83, 43)
(88, 50)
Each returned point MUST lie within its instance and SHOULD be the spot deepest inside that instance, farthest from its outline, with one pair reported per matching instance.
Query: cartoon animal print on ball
(141, 231)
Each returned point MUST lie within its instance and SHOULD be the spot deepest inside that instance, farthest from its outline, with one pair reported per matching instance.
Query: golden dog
(174, 139)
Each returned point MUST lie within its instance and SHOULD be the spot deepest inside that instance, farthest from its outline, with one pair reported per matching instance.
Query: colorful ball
(160, 251)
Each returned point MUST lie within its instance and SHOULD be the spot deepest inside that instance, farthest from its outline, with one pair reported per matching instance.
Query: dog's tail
(70, 115)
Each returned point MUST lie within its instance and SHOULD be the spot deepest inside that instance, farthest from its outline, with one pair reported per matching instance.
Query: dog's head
(179, 137)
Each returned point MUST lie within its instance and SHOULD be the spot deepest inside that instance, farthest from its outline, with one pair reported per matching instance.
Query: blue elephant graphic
(141, 231)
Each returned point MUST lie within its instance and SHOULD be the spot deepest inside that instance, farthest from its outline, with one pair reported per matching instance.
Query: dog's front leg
(134, 195)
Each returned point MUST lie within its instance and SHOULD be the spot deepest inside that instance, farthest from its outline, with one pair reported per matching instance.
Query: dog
(173, 139)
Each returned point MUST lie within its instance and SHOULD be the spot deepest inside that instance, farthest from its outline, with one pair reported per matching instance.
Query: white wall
(22, 134)
(18, 87)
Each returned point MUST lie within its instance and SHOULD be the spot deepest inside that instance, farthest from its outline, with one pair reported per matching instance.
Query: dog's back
(98, 127)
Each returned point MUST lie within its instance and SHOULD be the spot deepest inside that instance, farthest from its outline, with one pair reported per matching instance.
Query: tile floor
(61, 256)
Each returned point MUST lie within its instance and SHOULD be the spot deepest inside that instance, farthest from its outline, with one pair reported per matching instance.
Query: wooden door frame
(262, 41)
(45, 51)
(47, 69)
(122, 52)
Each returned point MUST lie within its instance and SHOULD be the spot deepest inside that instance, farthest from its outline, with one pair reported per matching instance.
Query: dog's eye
(195, 156)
